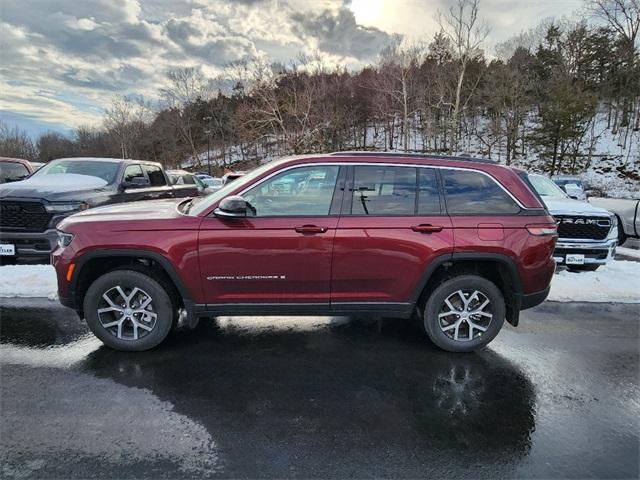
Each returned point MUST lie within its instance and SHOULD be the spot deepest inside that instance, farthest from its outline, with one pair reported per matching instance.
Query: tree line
(549, 94)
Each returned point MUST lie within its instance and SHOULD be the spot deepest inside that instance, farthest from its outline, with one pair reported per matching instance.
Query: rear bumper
(31, 244)
(595, 253)
(530, 300)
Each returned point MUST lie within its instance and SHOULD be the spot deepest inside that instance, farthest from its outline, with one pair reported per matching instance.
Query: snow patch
(28, 281)
(615, 282)
(628, 252)
(63, 182)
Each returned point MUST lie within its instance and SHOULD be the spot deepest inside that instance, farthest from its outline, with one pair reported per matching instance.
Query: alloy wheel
(127, 313)
(465, 315)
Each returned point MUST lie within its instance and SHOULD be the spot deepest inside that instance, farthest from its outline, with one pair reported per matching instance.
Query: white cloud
(61, 61)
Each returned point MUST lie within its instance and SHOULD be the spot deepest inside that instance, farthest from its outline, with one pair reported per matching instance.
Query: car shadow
(333, 393)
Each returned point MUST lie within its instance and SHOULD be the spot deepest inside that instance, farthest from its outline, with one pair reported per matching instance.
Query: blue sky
(61, 62)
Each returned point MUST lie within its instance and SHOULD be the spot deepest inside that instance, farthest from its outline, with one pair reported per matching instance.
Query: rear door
(392, 226)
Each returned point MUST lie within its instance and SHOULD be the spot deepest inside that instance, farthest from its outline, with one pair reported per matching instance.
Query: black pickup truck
(30, 209)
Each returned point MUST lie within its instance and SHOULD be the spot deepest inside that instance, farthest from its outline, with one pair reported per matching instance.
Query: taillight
(542, 229)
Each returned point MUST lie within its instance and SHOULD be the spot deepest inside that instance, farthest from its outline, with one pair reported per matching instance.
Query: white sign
(574, 259)
(6, 249)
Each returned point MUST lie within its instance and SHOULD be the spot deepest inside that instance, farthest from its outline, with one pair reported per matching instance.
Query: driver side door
(281, 252)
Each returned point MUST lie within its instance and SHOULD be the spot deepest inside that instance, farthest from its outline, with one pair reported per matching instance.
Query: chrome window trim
(385, 164)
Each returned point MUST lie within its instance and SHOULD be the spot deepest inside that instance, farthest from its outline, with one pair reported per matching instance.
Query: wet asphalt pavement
(321, 397)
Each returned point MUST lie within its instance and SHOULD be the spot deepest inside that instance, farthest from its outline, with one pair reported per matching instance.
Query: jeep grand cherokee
(460, 244)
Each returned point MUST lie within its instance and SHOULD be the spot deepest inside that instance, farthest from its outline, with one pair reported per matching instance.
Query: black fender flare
(163, 261)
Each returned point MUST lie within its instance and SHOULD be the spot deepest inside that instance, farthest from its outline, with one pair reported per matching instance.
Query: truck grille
(594, 228)
(23, 216)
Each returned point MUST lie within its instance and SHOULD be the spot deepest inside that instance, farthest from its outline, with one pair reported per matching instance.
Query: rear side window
(473, 193)
(131, 172)
(383, 191)
(156, 177)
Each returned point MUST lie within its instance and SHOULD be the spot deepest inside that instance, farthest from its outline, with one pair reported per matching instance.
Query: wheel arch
(496, 267)
(91, 265)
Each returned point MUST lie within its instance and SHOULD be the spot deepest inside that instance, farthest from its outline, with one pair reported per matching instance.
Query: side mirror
(136, 182)
(232, 207)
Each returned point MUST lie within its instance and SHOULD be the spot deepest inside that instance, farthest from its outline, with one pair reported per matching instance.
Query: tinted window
(156, 177)
(384, 191)
(188, 179)
(12, 171)
(304, 191)
(473, 193)
(428, 192)
(131, 172)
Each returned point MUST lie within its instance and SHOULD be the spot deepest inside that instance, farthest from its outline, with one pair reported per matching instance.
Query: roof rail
(465, 157)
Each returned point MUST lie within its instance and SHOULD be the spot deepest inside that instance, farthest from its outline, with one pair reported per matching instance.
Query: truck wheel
(583, 268)
(622, 237)
(464, 313)
(128, 310)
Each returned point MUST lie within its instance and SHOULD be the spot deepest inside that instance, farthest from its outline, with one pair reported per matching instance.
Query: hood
(138, 211)
(58, 187)
(569, 206)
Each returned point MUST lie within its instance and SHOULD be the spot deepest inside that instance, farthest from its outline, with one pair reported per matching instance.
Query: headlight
(64, 239)
(65, 207)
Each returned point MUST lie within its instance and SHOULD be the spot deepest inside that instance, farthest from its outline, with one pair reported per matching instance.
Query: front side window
(304, 191)
(379, 190)
(156, 177)
(131, 172)
(474, 193)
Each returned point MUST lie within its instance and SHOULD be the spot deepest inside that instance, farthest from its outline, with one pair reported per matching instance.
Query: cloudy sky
(61, 61)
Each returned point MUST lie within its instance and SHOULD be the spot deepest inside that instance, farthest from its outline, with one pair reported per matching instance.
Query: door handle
(427, 228)
(311, 229)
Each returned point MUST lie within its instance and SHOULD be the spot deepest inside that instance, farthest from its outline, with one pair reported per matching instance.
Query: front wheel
(128, 310)
(464, 313)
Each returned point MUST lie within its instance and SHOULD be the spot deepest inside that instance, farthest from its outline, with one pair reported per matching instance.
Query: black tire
(622, 237)
(583, 268)
(128, 280)
(436, 302)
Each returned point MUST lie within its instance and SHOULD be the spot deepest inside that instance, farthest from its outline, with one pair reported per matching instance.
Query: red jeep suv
(461, 244)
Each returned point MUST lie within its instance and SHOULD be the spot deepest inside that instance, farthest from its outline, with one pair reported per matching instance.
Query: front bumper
(595, 252)
(31, 244)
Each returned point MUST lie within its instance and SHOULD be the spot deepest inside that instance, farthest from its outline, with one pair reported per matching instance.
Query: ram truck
(587, 235)
(31, 209)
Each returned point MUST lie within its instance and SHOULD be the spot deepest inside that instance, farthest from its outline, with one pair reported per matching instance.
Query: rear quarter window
(474, 193)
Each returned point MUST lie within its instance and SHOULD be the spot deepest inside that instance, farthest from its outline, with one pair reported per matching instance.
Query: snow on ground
(615, 282)
(28, 281)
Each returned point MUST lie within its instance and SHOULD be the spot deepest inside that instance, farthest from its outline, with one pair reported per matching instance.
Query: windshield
(545, 187)
(201, 205)
(12, 172)
(107, 171)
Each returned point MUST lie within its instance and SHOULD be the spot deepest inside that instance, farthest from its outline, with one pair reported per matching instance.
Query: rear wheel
(128, 310)
(464, 313)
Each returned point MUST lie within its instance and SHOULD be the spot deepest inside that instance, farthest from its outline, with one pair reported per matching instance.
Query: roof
(104, 159)
(426, 156)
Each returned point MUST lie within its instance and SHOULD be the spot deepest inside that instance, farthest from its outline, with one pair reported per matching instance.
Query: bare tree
(461, 25)
(125, 119)
(15, 142)
(186, 87)
(622, 15)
